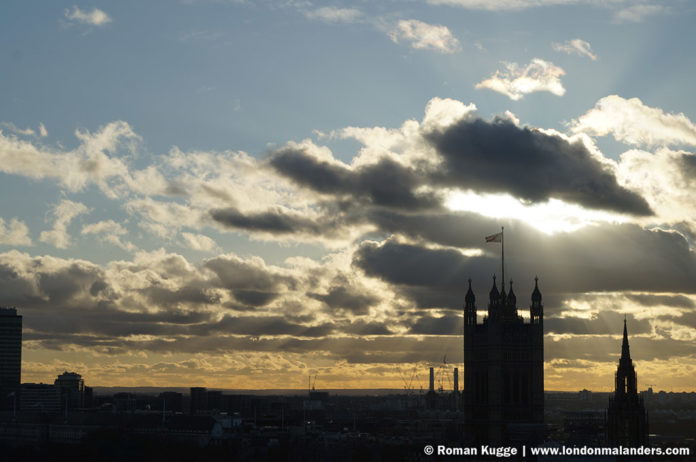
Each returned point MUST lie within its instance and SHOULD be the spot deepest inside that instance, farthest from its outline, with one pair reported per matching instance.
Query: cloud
(274, 222)
(575, 46)
(249, 281)
(344, 295)
(109, 231)
(160, 304)
(413, 168)
(333, 14)
(98, 160)
(632, 122)
(602, 323)
(96, 17)
(200, 242)
(605, 258)
(64, 212)
(14, 234)
(159, 297)
(165, 218)
(637, 13)
(15, 129)
(500, 5)
(449, 324)
(42, 130)
(386, 183)
(667, 179)
(424, 36)
(490, 156)
(516, 81)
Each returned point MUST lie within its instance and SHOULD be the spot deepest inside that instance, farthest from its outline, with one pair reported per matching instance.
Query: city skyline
(239, 194)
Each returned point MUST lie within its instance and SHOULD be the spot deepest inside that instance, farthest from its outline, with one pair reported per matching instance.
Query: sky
(244, 194)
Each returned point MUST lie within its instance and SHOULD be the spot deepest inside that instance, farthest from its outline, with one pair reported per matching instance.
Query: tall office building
(10, 357)
(504, 369)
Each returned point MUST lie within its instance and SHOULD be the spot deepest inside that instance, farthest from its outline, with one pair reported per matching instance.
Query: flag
(495, 238)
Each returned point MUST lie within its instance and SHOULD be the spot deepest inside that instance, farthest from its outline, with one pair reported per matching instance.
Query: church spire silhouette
(627, 422)
(626, 373)
(625, 351)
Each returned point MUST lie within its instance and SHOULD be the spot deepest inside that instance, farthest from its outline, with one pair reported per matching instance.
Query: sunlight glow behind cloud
(550, 217)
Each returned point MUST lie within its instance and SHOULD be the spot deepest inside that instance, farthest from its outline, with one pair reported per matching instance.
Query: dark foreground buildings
(10, 357)
(627, 422)
(504, 369)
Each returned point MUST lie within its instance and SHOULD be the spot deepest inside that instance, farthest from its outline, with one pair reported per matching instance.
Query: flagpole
(502, 240)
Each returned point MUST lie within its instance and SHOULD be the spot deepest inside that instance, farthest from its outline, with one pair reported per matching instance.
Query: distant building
(199, 399)
(504, 369)
(214, 400)
(172, 401)
(10, 357)
(125, 402)
(41, 398)
(72, 390)
(627, 422)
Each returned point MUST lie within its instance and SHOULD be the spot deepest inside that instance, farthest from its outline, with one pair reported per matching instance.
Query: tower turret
(536, 309)
(511, 298)
(494, 302)
(470, 306)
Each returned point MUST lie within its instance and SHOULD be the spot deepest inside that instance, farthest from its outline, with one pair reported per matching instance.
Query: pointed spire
(470, 298)
(494, 294)
(511, 297)
(536, 295)
(625, 352)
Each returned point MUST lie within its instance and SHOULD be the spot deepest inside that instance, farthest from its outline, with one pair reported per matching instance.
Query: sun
(549, 217)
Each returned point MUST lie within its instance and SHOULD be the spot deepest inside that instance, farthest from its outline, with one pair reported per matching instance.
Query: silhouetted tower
(536, 309)
(470, 307)
(504, 369)
(10, 358)
(627, 422)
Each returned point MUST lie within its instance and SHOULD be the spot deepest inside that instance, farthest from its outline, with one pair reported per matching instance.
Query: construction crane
(408, 383)
(443, 372)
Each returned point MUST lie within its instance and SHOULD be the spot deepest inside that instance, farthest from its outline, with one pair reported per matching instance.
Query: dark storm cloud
(162, 296)
(355, 349)
(479, 155)
(458, 229)
(65, 283)
(262, 326)
(360, 327)
(235, 273)
(676, 301)
(688, 164)
(333, 219)
(274, 221)
(387, 183)
(450, 324)
(104, 321)
(499, 156)
(605, 257)
(687, 318)
(606, 322)
(255, 297)
(250, 284)
(413, 265)
(428, 297)
(605, 348)
(343, 296)
(306, 170)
